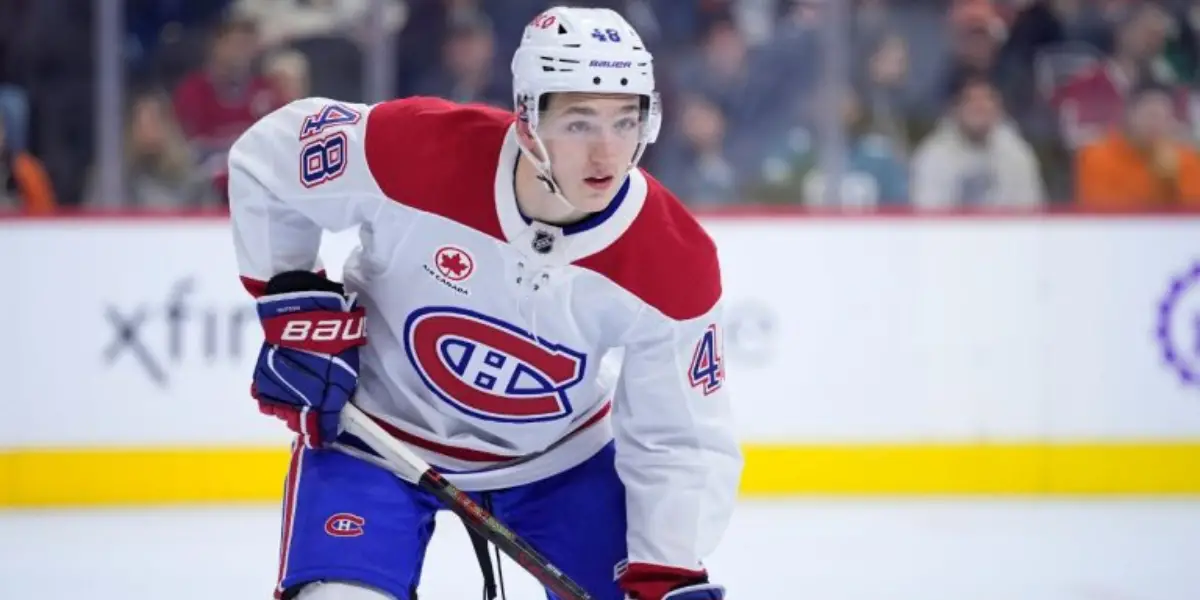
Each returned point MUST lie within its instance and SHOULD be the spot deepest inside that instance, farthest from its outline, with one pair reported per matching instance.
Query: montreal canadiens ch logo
(345, 525)
(490, 369)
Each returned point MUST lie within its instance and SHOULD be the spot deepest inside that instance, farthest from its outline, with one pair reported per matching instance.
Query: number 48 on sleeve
(707, 370)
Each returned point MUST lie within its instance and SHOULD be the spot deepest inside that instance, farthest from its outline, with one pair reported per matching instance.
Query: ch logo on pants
(345, 525)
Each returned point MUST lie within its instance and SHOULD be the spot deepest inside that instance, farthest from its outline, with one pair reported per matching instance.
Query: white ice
(806, 550)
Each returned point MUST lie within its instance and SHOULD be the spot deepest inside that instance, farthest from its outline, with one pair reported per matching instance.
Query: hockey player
(503, 259)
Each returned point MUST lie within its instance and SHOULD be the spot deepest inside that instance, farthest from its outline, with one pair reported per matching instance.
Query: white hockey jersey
(486, 330)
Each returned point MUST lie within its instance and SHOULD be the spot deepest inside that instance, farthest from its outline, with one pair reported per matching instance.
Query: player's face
(591, 140)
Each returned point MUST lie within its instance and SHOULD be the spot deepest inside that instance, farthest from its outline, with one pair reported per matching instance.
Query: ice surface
(807, 550)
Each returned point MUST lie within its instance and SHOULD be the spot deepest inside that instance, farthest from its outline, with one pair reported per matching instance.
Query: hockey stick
(409, 467)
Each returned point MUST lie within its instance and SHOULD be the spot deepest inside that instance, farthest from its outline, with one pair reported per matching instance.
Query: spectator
(883, 77)
(697, 168)
(56, 51)
(425, 32)
(785, 69)
(976, 35)
(1039, 25)
(1094, 101)
(14, 106)
(752, 87)
(218, 102)
(1141, 165)
(874, 168)
(14, 100)
(796, 18)
(332, 34)
(1193, 109)
(160, 171)
(1181, 52)
(24, 185)
(1045, 47)
(282, 22)
(469, 72)
(1050, 43)
(288, 71)
(669, 25)
(872, 21)
(976, 157)
(164, 39)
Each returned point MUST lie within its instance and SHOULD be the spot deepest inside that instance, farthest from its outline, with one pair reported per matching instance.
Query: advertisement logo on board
(178, 330)
(751, 332)
(1178, 325)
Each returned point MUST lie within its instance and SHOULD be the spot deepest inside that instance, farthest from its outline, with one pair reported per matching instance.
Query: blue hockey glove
(307, 368)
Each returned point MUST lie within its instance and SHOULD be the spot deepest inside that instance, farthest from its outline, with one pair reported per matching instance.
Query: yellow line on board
(1124, 467)
(37, 477)
(129, 476)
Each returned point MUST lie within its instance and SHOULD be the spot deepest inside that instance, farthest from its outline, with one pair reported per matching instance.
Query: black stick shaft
(497, 533)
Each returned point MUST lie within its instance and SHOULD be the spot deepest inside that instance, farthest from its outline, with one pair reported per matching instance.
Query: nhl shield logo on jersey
(543, 242)
(345, 525)
(490, 369)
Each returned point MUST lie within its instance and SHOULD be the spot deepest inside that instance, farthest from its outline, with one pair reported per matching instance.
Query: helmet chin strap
(546, 176)
(555, 191)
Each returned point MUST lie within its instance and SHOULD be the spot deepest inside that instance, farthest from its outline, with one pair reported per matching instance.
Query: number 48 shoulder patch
(707, 370)
(324, 158)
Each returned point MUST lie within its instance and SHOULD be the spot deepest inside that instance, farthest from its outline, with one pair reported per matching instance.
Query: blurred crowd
(832, 103)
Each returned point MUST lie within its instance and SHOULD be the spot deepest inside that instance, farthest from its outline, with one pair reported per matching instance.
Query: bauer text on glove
(307, 369)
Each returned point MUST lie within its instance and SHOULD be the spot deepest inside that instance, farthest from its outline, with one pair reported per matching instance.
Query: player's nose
(604, 148)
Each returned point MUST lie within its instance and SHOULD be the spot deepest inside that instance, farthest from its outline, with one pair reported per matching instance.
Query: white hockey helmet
(591, 50)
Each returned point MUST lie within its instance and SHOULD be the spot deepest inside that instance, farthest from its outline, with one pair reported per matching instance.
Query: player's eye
(579, 127)
(627, 124)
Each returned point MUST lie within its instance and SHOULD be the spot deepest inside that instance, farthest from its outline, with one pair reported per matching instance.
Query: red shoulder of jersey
(439, 157)
(665, 258)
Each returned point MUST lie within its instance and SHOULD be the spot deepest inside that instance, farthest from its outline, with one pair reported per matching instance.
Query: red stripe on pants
(289, 512)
